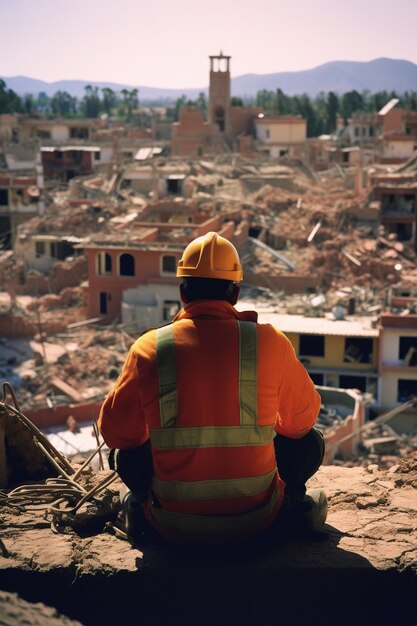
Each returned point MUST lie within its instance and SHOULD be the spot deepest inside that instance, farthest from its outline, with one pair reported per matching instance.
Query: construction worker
(205, 411)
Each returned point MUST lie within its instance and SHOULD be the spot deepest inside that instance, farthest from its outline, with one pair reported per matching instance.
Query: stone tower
(219, 92)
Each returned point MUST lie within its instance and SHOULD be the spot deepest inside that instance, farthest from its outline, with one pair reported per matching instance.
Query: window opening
(5, 232)
(352, 382)
(404, 231)
(39, 249)
(174, 186)
(219, 118)
(406, 387)
(408, 351)
(4, 197)
(126, 265)
(61, 250)
(358, 350)
(311, 345)
(79, 133)
(104, 263)
(169, 264)
(103, 303)
(318, 379)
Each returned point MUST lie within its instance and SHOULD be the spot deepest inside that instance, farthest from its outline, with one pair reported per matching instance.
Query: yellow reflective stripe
(195, 527)
(248, 371)
(211, 489)
(211, 436)
(166, 376)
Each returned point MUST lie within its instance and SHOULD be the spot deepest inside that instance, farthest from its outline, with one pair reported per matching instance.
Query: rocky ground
(365, 573)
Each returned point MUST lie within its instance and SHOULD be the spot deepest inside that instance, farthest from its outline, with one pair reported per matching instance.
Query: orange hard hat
(211, 256)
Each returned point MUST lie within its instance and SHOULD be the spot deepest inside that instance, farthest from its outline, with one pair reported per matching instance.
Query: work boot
(135, 520)
(305, 518)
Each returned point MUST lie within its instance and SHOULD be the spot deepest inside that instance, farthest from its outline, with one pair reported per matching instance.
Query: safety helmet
(210, 256)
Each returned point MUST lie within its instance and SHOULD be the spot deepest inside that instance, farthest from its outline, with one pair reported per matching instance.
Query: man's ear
(183, 298)
(235, 294)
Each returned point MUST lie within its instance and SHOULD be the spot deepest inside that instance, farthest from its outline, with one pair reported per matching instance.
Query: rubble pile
(87, 360)
(313, 244)
(323, 233)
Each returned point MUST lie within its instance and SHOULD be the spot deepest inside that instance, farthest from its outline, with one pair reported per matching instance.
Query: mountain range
(338, 76)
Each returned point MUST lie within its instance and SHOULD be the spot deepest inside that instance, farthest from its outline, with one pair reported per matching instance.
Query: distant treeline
(94, 103)
(320, 112)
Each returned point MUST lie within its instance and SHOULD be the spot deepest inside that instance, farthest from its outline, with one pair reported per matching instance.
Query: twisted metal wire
(59, 496)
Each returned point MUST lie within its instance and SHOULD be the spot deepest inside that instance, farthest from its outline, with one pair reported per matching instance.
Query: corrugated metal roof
(358, 327)
(70, 148)
(352, 327)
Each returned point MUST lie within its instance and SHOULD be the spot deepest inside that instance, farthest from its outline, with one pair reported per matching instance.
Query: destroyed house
(67, 161)
(147, 256)
(57, 130)
(336, 353)
(393, 132)
(117, 265)
(155, 179)
(20, 200)
(398, 202)
(21, 189)
(192, 135)
(281, 135)
(41, 250)
(398, 364)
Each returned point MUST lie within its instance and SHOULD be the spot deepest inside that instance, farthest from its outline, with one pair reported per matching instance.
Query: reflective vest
(173, 495)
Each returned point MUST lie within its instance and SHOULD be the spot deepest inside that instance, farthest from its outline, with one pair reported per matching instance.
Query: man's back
(203, 405)
(213, 450)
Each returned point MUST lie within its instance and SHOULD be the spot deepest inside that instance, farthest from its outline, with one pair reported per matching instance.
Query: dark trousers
(297, 461)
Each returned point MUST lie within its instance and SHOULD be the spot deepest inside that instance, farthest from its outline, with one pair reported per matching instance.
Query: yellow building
(336, 353)
(281, 135)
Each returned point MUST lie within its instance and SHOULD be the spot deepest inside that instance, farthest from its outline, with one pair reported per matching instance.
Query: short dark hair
(207, 289)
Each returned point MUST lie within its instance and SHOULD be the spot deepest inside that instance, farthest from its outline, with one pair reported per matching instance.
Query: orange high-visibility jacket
(210, 390)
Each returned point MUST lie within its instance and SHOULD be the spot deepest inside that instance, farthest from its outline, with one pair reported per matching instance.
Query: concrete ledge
(364, 574)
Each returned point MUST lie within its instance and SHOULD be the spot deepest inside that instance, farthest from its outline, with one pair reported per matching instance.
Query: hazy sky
(166, 43)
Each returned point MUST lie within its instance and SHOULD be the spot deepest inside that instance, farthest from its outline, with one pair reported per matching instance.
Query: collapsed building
(94, 223)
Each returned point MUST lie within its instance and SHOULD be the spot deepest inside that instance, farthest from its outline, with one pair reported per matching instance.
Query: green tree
(351, 102)
(109, 99)
(91, 104)
(43, 102)
(332, 106)
(131, 102)
(236, 101)
(266, 100)
(180, 102)
(63, 104)
(9, 100)
(201, 102)
(283, 104)
(306, 110)
(29, 104)
(409, 100)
